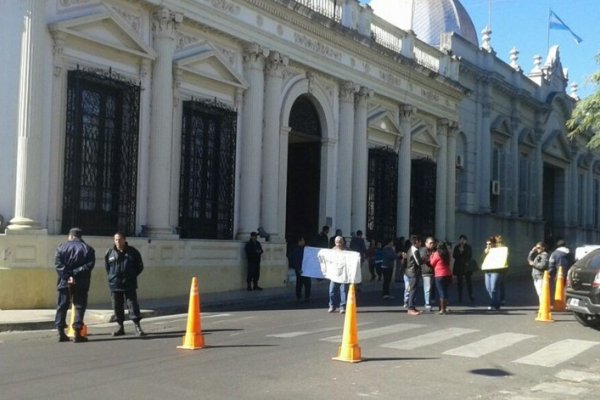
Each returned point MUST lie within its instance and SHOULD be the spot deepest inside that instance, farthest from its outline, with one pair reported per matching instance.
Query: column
(30, 124)
(514, 167)
(404, 172)
(284, 140)
(57, 140)
(361, 162)
(588, 215)
(451, 233)
(144, 143)
(484, 153)
(251, 141)
(165, 24)
(239, 103)
(345, 154)
(537, 180)
(275, 65)
(441, 182)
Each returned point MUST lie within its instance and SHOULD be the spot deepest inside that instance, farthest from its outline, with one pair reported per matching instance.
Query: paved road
(285, 352)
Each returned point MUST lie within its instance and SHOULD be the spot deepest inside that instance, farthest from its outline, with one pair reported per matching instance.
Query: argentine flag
(554, 22)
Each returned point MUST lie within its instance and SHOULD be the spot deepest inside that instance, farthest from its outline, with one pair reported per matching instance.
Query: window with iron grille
(101, 151)
(207, 185)
(382, 194)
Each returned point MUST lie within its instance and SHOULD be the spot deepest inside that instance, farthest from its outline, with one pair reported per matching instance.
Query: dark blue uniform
(75, 259)
(122, 268)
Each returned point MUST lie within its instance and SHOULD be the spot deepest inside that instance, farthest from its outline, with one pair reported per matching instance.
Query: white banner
(340, 266)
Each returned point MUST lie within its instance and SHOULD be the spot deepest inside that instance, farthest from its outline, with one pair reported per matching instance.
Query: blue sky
(524, 24)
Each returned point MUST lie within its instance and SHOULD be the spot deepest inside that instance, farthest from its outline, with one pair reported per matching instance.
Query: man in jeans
(427, 271)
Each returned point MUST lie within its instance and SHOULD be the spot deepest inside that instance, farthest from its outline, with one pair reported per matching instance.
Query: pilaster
(144, 143)
(251, 141)
(361, 160)
(404, 171)
(485, 148)
(275, 65)
(345, 157)
(451, 233)
(441, 186)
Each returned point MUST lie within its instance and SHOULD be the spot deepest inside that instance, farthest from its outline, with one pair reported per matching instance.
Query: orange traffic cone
(193, 336)
(544, 314)
(71, 331)
(559, 292)
(349, 350)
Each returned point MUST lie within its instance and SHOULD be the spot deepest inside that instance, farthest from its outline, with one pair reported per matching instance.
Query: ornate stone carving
(183, 40)
(59, 43)
(224, 5)
(135, 21)
(407, 111)
(363, 94)
(317, 47)
(254, 56)
(347, 90)
(276, 63)
(71, 3)
(165, 23)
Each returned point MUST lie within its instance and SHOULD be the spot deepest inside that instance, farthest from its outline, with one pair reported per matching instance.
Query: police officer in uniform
(123, 265)
(74, 261)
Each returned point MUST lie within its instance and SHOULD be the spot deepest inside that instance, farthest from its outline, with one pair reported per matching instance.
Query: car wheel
(592, 321)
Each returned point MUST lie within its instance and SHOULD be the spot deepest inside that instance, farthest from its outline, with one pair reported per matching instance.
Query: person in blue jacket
(74, 261)
(123, 264)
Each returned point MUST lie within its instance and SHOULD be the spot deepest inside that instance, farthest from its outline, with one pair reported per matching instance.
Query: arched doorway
(303, 171)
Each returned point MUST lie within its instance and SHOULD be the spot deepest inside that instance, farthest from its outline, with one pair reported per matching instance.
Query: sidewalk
(21, 320)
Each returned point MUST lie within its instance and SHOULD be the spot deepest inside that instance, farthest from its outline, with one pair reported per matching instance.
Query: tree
(585, 121)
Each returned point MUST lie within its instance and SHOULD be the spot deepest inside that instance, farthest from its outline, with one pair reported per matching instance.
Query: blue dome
(430, 19)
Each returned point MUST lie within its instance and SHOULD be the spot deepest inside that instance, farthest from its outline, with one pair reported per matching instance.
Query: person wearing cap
(74, 261)
(253, 252)
(123, 264)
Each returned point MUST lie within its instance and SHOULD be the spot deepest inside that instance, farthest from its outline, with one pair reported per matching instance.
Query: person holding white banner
(341, 267)
(494, 265)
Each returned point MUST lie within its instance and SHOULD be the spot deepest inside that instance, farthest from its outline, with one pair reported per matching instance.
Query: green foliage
(585, 121)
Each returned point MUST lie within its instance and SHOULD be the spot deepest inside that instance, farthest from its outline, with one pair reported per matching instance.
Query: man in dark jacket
(123, 265)
(74, 261)
(560, 257)
(253, 253)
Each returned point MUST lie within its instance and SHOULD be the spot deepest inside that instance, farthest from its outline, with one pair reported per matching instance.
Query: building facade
(188, 124)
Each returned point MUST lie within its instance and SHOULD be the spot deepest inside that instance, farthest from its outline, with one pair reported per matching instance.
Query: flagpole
(548, 29)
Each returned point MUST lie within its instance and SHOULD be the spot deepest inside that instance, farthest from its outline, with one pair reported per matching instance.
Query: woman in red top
(440, 261)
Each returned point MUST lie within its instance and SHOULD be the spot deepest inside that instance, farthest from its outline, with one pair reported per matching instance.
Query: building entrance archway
(303, 171)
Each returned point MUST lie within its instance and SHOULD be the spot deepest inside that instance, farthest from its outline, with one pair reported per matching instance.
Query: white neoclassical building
(187, 124)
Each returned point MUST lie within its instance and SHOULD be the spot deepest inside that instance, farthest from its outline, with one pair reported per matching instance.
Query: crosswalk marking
(577, 376)
(488, 345)
(376, 332)
(557, 353)
(428, 338)
(559, 388)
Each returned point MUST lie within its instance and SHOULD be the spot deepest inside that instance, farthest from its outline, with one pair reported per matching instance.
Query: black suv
(583, 289)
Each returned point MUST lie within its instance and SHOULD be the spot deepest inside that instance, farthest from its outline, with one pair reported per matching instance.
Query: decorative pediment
(557, 146)
(105, 28)
(527, 137)
(206, 61)
(502, 126)
(383, 129)
(424, 140)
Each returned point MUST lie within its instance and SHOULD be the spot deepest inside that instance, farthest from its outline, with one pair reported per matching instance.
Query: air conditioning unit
(495, 187)
(460, 162)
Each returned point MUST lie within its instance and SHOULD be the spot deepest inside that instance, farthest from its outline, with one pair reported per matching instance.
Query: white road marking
(559, 388)
(287, 335)
(488, 345)
(376, 332)
(577, 376)
(428, 338)
(556, 353)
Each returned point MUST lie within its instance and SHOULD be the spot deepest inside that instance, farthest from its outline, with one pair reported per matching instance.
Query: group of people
(74, 262)
(540, 261)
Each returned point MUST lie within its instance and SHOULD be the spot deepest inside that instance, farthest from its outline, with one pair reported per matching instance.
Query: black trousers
(303, 281)
(118, 303)
(76, 294)
(253, 272)
(387, 279)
